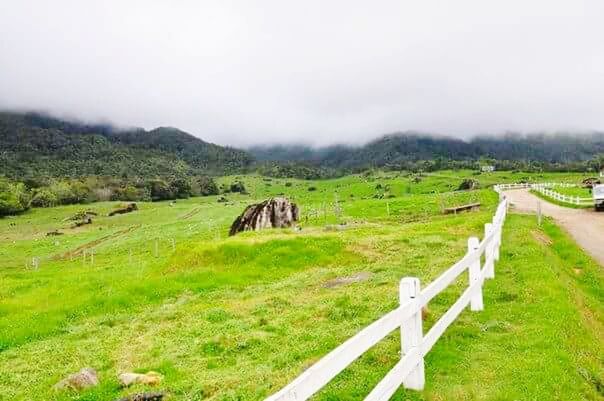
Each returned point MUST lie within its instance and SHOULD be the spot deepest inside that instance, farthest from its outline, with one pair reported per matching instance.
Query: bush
(44, 198)
(311, 189)
(69, 194)
(288, 184)
(238, 187)
(180, 188)
(132, 193)
(14, 198)
(207, 186)
(160, 190)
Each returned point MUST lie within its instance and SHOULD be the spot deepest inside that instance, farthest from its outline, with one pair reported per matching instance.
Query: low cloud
(241, 73)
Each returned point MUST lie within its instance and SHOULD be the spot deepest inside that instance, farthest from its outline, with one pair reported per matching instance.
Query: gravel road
(585, 225)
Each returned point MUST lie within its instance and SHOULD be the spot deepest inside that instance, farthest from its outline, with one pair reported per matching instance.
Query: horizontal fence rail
(547, 190)
(409, 371)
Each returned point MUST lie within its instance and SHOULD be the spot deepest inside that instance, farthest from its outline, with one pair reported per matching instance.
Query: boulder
(468, 185)
(143, 397)
(150, 378)
(272, 213)
(83, 222)
(81, 380)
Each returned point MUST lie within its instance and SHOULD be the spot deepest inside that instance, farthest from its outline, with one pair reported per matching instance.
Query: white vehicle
(598, 194)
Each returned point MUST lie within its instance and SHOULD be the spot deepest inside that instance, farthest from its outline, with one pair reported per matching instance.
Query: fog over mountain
(242, 73)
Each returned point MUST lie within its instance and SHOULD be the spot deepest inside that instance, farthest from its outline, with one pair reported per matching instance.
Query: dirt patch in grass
(77, 251)
(542, 238)
(190, 214)
(340, 281)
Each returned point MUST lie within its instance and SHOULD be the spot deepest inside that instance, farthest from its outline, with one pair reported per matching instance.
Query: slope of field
(237, 318)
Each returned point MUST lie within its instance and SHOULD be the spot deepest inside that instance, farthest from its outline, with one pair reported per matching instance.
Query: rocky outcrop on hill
(468, 185)
(272, 213)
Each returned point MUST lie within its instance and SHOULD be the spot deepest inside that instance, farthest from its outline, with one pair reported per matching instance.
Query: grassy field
(237, 318)
(569, 191)
(575, 191)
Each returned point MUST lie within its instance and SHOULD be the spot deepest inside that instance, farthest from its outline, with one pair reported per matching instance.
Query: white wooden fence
(546, 189)
(409, 371)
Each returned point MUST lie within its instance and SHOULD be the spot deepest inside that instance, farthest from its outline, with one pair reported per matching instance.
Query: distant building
(487, 169)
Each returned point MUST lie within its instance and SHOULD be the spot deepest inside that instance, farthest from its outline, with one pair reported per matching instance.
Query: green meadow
(237, 318)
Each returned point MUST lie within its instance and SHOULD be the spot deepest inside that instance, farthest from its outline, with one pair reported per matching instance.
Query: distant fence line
(546, 189)
(409, 371)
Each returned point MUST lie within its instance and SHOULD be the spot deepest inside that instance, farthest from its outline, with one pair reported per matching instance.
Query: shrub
(131, 193)
(160, 190)
(180, 187)
(311, 189)
(14, 198)
(44, 198)
(207, 186)
(238, 187)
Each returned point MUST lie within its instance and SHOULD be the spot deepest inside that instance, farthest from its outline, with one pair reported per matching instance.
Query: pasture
(237, 318)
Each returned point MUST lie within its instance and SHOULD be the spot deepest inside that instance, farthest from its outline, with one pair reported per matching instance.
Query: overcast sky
(252, 71)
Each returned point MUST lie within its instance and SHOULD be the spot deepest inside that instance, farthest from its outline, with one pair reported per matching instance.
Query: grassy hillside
(237, 318)
(34, 145)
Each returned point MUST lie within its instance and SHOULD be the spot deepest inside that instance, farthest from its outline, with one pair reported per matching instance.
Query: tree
(180, 187)
(160, 190)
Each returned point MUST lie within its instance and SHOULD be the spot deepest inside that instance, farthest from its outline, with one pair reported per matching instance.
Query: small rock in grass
(336, 227)
(340, 281)
(143, 397)
(81, 380)
(150, 378)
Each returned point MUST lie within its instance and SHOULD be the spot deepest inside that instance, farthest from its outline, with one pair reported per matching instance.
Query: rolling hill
(33, 144)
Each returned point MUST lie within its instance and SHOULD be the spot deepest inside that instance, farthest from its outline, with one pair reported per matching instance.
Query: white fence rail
(409, 371)
(546, 189)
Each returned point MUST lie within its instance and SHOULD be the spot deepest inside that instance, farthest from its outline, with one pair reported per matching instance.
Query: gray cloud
(243, 72)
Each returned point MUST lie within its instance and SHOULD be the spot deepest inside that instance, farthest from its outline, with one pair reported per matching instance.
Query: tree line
(17, 197)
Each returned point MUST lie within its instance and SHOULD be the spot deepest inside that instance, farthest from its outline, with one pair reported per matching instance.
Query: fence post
(412, 332)
(489, 251)
(474, 271)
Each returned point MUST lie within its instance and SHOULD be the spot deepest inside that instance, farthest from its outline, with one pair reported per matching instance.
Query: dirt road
(585, 225)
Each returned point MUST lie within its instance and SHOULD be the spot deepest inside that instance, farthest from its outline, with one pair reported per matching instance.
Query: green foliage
(35, 146)
(129, 192)
(44, 197)
(161, 190)
(305, 171)
(14, 198)
(237, 187)
(207, 186)
(419, 152)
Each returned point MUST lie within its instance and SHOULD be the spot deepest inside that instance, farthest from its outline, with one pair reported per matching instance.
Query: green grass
(575, 191)
(237, 318)
(558, 202)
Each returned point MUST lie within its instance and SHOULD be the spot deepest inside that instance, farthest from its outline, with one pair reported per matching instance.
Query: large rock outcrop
(272, 213)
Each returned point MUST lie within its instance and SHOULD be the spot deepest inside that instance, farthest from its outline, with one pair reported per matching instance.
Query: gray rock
(81, 380)
(272, 213)
(340, 281)
(150, 378)
(143, 397)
